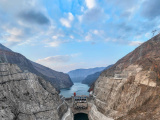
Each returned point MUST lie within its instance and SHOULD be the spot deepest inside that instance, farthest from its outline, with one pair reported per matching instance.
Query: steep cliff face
(130, 89)
(25, 96)
(80, 74)
(57, 79)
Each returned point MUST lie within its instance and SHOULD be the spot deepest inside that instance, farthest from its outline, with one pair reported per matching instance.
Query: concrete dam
(82, 105)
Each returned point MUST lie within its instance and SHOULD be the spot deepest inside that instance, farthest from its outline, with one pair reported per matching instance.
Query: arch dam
(77, 104)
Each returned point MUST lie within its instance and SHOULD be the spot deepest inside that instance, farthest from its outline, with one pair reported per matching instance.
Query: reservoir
(79, 88)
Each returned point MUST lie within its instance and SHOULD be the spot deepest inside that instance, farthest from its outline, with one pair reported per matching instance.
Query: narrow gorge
(129, 90)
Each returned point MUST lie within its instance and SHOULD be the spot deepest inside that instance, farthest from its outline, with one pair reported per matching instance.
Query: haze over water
(79, 88)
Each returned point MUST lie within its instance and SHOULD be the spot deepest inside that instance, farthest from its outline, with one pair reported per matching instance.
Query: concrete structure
(82, 104)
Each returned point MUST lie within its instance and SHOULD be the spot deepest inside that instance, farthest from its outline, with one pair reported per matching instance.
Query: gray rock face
(25, 96)
(57, 79)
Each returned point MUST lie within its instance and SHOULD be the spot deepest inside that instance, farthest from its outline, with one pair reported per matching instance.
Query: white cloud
(14, 31)
(88, 37)
(67, 21)
(135, 43)
(96, 32)
(82, 9)
(148, 35)
(91, 16)
(60, 62)
(70, 16)
(55, 59)
(71, 36)
(53, 44)
(54, 37)
(80, 18)
(90, 3)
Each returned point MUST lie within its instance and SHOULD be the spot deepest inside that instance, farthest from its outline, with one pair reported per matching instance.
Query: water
(79, 88)
(81, 116)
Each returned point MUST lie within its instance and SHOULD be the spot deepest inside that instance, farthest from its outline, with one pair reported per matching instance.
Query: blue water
(79, 88)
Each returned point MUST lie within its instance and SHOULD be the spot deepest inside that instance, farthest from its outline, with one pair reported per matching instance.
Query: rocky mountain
(57, 79)
(80, 74)
(130, 89)
(25, 96)
(2, 47)
(90, 79)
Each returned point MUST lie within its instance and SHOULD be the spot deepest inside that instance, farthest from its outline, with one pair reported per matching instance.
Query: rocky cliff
(130, 89)
(25, 96)
(80, 74)
(90, 79)
(57, 79)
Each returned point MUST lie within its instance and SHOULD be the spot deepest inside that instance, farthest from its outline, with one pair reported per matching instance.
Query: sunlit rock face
(130, 89)
(25, 96)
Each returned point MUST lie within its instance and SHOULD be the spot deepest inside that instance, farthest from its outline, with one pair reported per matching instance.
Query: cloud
(55, 59)
(93, 15)
(88, 38)
(90, 3)
(60, 62)
(150, 9)
(67, 21)
(135, 43)
(54, 43)
(32, 17)
(124, 41)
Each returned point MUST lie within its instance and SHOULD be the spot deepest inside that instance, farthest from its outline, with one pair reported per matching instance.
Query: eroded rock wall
(25, 96)
(130, 90)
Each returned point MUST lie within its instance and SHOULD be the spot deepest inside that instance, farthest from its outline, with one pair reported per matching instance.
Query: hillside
(90, 79)
(57, 79)
(80, 74)
(130, 89)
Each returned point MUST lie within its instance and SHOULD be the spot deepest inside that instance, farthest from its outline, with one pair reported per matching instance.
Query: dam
(79, 106)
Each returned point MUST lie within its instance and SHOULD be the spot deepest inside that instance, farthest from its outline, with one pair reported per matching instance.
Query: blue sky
(70, 34)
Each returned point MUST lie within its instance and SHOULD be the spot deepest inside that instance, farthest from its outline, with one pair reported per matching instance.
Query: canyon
(129, 90)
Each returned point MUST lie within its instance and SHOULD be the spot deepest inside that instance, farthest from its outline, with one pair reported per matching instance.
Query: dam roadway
(82, 104)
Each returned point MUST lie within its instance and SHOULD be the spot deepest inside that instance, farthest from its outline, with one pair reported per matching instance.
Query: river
(79, 88)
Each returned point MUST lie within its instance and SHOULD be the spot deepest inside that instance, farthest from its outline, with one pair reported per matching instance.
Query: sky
(70, 34)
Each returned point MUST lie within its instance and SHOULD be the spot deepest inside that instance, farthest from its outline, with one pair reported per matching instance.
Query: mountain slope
(130, 89)
(90, 79)
(2, 47)
(57, 79)
(25, 96)
(63, 78)
(79, 74)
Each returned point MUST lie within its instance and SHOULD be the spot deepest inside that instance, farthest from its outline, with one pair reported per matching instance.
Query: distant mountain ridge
(90, 79)
(57, 79)
(80, 74)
